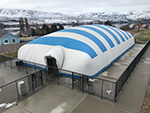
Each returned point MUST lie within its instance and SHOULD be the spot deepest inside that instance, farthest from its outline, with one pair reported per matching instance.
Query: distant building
(6, 39)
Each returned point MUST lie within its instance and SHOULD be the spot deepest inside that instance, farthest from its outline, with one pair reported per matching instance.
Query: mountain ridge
(56, 17)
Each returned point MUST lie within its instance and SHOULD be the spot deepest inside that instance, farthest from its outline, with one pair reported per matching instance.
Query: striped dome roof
(86, 38)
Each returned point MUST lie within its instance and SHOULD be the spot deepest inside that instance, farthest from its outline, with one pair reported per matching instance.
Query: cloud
(78, 6)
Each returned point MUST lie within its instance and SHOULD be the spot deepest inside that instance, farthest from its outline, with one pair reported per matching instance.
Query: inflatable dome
(87, 49)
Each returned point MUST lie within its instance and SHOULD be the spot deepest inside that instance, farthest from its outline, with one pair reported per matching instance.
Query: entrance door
(52, 69)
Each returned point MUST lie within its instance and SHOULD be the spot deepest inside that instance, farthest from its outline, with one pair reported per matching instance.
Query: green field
(142, 36)
(12, 54)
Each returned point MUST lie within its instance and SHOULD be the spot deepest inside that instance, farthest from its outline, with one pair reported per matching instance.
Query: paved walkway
(52, 99)
(132, 96)
(58, 99)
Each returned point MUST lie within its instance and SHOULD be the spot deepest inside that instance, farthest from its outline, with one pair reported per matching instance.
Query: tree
(53, 28)
(21, 25)
(27, 27)
(134, 26)
(33, 32)
(60, 27)
(38, 31)
(140, 23)
(125, 27)
(108, 23)
(72, 24)
(45, 29)
(27, 24)
(147, 26)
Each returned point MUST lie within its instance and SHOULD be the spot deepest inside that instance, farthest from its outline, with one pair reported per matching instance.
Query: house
(7, 38)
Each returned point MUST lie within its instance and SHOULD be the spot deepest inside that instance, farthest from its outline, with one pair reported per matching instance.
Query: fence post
(116, 91)
(35, 67)
(18, 66)
(46, 73)
(32, 77)
(4, 61)
(82, 83)
(72, 80)
(17, 90)
(10, 63)
(26, 67)
(58, 78)
(102, 90)
(41, 78)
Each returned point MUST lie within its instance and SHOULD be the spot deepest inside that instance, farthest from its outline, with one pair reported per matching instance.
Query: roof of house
(2, 35)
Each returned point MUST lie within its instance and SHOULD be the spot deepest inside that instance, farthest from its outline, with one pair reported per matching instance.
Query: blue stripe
(113, 35)
(102, 34)
(123, 33)
(117, 33)
(88, 35)
(78, 77)
(34, 66)
(95, 75)
(66, 42)
(129, 35)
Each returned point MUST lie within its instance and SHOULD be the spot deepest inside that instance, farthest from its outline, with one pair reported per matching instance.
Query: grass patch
(137, 42)
(143, 36)
(12, 54)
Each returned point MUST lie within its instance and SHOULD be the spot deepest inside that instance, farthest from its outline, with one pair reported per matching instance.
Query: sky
(76, 7)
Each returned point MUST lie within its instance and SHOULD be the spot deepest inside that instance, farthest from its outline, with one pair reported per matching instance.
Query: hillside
(52, 17)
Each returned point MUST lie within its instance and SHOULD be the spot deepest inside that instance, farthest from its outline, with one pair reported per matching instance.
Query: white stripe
(108, 34)
(119, 38)
(106, 44)
(120, 33)
(78, 37)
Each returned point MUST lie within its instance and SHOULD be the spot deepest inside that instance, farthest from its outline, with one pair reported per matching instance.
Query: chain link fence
(105, 89)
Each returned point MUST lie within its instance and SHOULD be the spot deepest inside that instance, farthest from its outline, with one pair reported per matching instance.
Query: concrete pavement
(133, 95)
(52, 99)
(93, 104)
(59, 99)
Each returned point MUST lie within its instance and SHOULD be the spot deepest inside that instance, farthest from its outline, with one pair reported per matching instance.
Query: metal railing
(74, 80)
(102, 88)
(121, 81)
(22, 87)
(105, 89)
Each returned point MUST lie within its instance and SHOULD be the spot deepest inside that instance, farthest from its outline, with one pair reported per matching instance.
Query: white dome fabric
(58, 54)
(87, 49)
